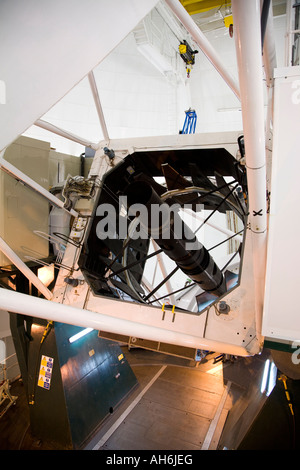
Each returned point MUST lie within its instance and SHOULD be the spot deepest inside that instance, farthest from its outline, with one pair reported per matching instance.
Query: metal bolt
(223, 307)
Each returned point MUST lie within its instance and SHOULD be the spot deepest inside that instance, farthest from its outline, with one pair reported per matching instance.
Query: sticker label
(45, 373)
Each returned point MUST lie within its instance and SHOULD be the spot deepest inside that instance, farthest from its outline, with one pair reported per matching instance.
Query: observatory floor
(176, 406)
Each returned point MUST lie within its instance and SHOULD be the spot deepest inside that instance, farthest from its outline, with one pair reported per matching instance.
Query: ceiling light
(46, 274)
(269, 378)
(80, 334)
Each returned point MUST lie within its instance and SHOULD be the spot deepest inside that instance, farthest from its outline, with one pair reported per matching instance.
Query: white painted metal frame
(67, 135)
(144, 321)
(41, 308)
(247, 32)
(98, 105)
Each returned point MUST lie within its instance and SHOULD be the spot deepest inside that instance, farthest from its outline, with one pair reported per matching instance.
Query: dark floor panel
(15, 433)
(128, 440)
(15, 421)
(180, 397)
(180, 423)
(171, 437)
(194, 379)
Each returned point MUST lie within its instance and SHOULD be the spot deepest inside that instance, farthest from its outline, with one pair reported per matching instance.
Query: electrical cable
(283, 379)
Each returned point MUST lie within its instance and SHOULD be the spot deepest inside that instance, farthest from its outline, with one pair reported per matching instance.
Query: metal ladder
(5, 393)
(190, 121)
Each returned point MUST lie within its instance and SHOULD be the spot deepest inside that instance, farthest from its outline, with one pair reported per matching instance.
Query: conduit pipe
(247, 33)
(270, 64)
(62, 133)
(95, 93)
(16, 302)
(269, 50)
(19, 175)
(203, 43)
(14, 258)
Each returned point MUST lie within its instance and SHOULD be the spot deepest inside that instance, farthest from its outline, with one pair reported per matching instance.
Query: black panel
(96, 377)
(47, 407)
(88, 380)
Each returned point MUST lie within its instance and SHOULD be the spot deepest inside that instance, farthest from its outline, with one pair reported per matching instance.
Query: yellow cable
(283, 378)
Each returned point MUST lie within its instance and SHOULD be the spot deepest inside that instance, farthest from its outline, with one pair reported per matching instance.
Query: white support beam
(203, 43)
(269, 51)
(98, 105)
(16, 302)
(19, 175)
(247, 33)
(67, 135)
(14, 258)
(270, 64)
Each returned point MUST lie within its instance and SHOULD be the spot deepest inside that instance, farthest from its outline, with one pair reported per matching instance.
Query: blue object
(190, 121)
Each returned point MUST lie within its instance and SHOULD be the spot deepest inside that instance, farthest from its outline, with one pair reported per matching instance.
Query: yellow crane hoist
(188, 56)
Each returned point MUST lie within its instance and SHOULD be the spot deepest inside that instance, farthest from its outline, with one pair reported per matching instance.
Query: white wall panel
(281, 318)
(46, 48)
(136, 100)
(23, 210)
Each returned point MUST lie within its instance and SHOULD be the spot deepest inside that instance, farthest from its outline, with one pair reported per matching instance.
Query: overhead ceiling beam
(67, 135)
(98, 105)
(203, 43)
(199, 6)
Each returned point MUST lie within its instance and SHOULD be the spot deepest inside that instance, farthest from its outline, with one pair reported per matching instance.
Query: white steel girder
(246, 17)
